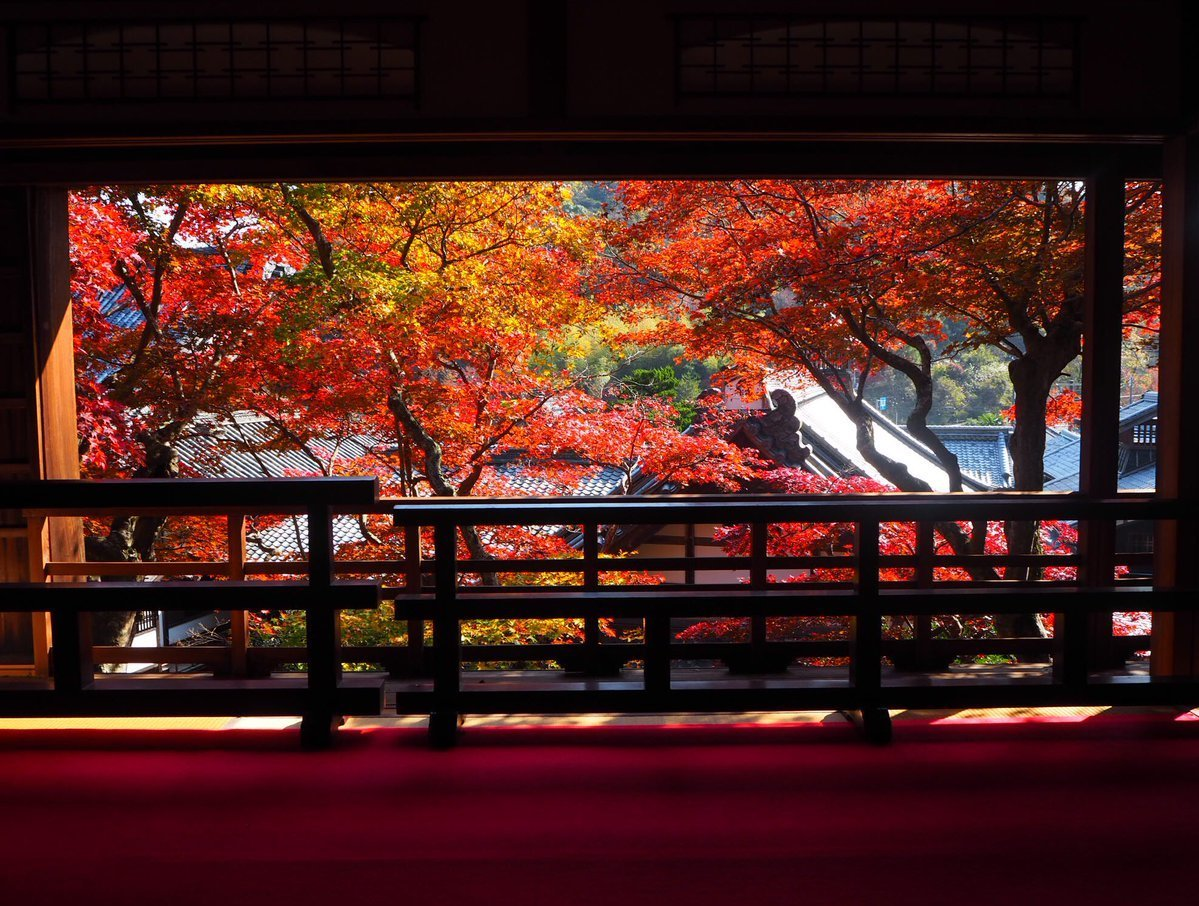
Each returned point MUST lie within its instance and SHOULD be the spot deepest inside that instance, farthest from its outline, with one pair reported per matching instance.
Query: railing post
(239, 633)
(867, 633)
(922, 646)
(758, 581)
(591, 630)
(1070, 631)
(447, 637)
(412, 585)
(689, 552)
(63, 641)
(323, 631)
(1098, 542)
(657, 651)
(71, 655)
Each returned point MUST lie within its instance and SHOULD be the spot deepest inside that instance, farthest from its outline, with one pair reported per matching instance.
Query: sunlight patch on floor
(1046, 715)
(262, 723)
(773, 718)
(114, 723)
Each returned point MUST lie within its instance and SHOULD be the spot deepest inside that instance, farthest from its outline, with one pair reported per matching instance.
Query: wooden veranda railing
(1079, 603)
(445, 591)
(321, 697)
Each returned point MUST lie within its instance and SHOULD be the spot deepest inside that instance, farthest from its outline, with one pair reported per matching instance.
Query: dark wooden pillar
(17, 423)
(1176, 561)
(1102, 335)
(38, 435)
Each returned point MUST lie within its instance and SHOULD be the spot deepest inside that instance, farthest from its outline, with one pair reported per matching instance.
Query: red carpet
(1098, 812)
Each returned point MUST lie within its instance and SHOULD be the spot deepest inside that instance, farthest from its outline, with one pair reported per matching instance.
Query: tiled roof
(1062, 453)
(117, 308)
(982, 451)
(1064, 485)
(248, 446)
(289, 539)
(598, 481)
(833, 437)
(1063, 450)
(1139, 410)
(1142, 479)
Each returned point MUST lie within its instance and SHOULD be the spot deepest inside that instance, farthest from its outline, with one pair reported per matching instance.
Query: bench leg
(874, 724)
(443, 729)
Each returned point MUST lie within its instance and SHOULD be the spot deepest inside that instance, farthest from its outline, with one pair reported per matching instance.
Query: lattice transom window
(178, 60)
(779, 56)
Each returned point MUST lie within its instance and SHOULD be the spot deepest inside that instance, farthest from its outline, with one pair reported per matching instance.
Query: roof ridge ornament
(777, 432)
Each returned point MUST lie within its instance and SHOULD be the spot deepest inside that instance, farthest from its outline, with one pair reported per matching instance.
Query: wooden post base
(443, 729)
(317, 730)
(873, 723)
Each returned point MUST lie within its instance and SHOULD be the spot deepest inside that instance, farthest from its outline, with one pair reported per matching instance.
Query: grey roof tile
(1139, 410)
(1066, 484)
(289, 539)
(249, 446)
(117, 308)
(982, 451)
(597, 481)
(1142, 479)
(834, 437)
(1062, 451)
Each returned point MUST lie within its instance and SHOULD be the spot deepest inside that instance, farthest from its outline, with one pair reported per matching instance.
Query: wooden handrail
(169, 496)
(739, 509)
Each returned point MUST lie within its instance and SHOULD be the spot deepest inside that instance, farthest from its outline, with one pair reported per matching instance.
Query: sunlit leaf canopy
(477, 305)
(465, 323)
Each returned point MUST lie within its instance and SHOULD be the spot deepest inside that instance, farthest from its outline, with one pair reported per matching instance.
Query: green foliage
(971, 388)
(663, 373)
(287, 629)
(987, 418)
(659, 383)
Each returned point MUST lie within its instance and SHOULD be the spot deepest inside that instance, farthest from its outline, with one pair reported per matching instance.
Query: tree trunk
(130, 538)
(408, 427)
(1032, 380)
(897, 473)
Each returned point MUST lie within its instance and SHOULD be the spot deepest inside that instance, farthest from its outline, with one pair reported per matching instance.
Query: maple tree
(454, 322)
(640, 437)
(170, 310)
(447, 311)
(837, 280)
(448, 318)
